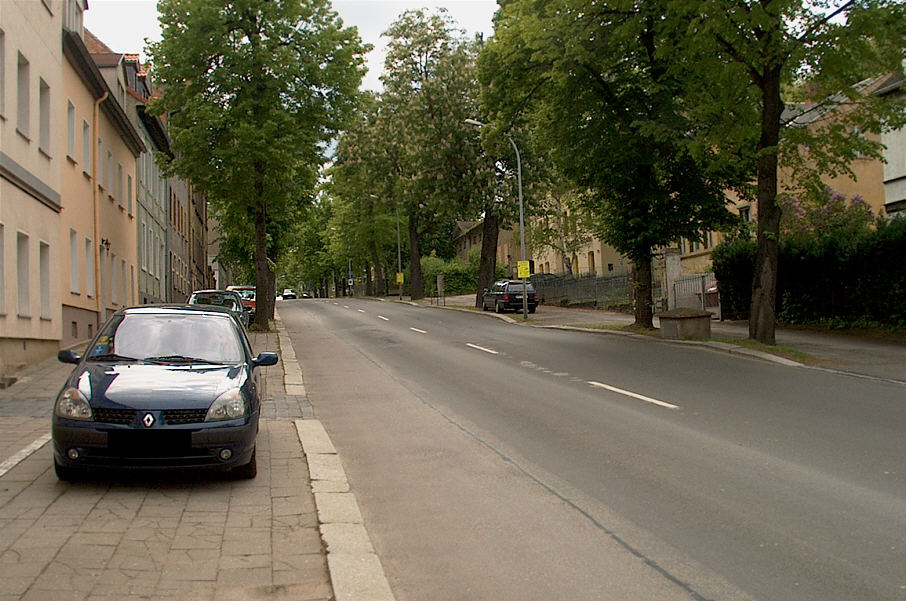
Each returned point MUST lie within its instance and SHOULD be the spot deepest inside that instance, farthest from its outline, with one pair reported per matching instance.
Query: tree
(740, 56)
(592, 82)
(254, 89)
(427, 97)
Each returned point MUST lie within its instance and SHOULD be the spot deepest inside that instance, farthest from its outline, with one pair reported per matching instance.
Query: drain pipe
(94, 194)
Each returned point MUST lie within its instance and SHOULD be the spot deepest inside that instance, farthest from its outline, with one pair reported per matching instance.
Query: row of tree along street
(638, 116)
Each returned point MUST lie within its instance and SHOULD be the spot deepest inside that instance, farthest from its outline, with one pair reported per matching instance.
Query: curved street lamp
(479, 124)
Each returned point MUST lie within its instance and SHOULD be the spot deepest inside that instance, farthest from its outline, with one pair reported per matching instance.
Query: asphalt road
(495, 461)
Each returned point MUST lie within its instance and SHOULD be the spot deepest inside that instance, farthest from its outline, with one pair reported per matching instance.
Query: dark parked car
(507, 295)
(161, 387)
(222, 298)
(289, 294)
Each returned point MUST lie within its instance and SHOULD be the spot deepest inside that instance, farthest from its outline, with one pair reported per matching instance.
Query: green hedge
(837, 278)
(459, 277)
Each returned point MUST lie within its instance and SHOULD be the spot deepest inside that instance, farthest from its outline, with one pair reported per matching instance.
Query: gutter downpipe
(94, 194)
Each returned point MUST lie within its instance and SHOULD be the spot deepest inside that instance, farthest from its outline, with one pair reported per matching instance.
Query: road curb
(355, 569)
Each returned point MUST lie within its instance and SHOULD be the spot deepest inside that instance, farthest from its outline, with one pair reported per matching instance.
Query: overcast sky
(125, 24)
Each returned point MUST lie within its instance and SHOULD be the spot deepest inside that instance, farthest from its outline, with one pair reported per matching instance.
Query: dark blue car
(161, 387)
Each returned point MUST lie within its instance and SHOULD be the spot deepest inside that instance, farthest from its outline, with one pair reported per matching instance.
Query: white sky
(124, 25)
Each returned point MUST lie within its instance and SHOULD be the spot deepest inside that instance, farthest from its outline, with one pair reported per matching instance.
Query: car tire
(247, 471)
(484, 306)
(67, 474)
(531, 309)
(498, 308)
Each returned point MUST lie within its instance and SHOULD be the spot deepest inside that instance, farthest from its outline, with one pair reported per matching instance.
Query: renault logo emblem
(148, 420)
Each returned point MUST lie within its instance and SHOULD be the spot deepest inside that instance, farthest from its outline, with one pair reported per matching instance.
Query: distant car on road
(506, 295)
(161, 387)
(288, 294)
(222, 298)
(248, 298)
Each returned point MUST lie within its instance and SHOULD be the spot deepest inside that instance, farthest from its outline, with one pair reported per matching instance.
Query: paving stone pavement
(177, 536)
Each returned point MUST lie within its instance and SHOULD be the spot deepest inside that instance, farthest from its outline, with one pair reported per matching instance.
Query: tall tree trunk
(416, 280)
(762, 311)
(369, 283)
(487, 263)
(380, 288)
(642, 292)
(263, 308)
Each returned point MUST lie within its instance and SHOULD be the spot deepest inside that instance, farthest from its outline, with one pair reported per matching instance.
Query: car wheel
(531, 309)
(247, 471)
(484, 305)
(498, 308)
(67, 474)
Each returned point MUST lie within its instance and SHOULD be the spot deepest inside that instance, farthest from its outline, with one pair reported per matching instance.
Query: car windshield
(218, 299)
(517, 287)
(170, 337)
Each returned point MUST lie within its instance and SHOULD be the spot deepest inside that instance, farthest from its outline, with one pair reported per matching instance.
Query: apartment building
(99, 217)
(151, 190)
(31, 155)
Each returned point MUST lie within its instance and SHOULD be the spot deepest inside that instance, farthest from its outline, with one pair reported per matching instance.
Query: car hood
(148, 386)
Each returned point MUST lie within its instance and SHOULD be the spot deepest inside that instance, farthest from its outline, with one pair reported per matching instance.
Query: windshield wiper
(111, 357)
(180, 359)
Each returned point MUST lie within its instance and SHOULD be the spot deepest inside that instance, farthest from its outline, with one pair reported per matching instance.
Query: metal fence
(697, 291)
(603, 292)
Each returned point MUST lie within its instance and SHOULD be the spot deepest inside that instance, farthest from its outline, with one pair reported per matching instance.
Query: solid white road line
(419, 331)
(481, 348)
(382, 317)
(634, 395)
(23, 454)
(360, 310)
(345, 306)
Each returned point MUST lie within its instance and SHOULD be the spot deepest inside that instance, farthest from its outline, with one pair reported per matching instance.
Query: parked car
(161, 387)
(248, 298)
(222, 298)
(288, 294)
(507, 295)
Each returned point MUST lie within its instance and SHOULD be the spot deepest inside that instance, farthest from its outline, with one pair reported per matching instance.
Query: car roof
(241, 287)
(175, 309)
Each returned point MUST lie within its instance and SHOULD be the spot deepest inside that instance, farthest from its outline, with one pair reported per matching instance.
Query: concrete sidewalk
(826, 350)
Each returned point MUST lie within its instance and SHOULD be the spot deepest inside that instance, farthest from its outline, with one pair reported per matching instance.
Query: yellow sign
(399, 277)
(522, 269)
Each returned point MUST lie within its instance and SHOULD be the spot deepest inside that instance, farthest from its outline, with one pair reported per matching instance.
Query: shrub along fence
(840, 279)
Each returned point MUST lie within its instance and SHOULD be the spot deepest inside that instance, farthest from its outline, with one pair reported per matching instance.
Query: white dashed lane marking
(419, 331)
(481, 348)
(634, 395)
(382, 317)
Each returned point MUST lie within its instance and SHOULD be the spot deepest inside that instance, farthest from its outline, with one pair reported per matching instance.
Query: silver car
(229, 299)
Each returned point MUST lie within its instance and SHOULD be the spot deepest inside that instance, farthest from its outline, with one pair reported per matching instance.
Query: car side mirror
(265, 360)
(68, 356)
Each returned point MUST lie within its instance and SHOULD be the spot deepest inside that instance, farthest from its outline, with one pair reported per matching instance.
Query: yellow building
(99, 255)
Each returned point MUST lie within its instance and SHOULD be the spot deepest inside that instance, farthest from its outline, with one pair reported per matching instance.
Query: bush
(839, 277)
(459, 277)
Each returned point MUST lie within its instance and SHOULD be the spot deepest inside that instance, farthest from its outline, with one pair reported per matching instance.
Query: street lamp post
(476, 123)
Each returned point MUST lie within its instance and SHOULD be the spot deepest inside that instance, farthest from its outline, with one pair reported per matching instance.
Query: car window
(211, 338)
(517, 287)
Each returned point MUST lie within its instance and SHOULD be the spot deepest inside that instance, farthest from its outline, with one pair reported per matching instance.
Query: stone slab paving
(180, 536)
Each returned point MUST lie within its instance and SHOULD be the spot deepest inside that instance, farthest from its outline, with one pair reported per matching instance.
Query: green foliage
(835, 278)
(823, 212)
(459, 277)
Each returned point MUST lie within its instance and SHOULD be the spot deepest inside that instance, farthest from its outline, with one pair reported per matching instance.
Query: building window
(24, 308)
(610, 267)
(44, 277)
(132, 284)
(73, 262)
(123, 281)
(90, 282)
(100, 174)
(118, 185)
(70, 130)
(43, 117)
(591, 262)
(108, 171)
(745, 213)
(129, 193)
(23, 100)
(114, 288)
(86, 147)
(72, 16)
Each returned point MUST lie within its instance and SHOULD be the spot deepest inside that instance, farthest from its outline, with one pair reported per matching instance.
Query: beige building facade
(31, 152)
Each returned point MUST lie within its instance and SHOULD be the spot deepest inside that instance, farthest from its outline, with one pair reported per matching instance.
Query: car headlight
(72, 404)
(229, 405)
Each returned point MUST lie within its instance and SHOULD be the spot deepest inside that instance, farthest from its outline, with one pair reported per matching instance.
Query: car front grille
(114, 416)
(184, 416)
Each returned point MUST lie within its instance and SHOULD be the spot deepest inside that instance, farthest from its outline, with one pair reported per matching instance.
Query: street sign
(351, 282)
(399, 277)
(523, 269)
